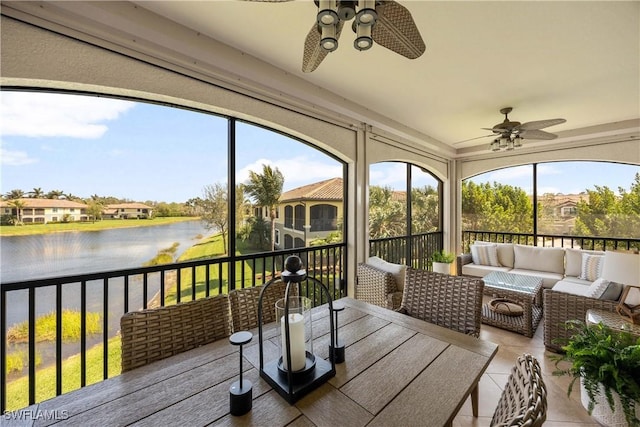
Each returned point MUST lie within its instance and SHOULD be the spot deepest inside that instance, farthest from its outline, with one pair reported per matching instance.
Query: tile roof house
(42, 211)
(309, 212)
(127, 211)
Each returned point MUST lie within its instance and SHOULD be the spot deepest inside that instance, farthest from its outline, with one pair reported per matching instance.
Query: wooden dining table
(398, 371)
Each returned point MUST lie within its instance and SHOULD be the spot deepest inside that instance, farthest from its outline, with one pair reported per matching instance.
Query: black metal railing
(114, 293)
(552, 240)
(414, 250)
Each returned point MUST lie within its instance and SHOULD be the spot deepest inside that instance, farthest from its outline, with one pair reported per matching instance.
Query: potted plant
(441, 261)
(607, 363)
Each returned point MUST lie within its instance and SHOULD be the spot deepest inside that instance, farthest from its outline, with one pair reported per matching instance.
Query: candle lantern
(297, 370)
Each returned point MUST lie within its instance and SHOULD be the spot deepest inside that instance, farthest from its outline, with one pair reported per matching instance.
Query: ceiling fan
(509, 134)
(386, 22)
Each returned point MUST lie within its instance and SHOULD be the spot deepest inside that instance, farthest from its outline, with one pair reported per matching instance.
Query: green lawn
(18, 390)
(105, 224)
(207, 248)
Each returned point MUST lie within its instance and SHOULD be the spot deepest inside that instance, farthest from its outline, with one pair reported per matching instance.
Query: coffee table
(518, 288)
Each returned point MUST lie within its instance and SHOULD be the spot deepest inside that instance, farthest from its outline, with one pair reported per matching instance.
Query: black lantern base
(240, 398)
(316, 372)
(337, 353)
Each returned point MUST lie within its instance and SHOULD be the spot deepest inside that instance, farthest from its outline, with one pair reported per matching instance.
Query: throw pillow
(613, 291)
(591, 267)
(597, 288)
(398, 270)
(485, 255)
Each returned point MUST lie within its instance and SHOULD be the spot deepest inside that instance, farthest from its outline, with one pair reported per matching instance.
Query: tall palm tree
(18, 204)
(266, 189)
(36, 193)
(15, 194)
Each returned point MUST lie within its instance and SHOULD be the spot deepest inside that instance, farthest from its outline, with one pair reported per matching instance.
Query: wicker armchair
(377, 287)
(524, 398)
(157, 333)
(451, 301)
(244, 305)
(560, 307)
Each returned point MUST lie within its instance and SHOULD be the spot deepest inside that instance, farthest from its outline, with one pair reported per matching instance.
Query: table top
(513, 282)
(397, 370)
(610, 319)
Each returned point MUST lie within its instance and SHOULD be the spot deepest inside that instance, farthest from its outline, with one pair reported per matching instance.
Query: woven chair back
(154, 334)
(244, 305)
(524, 398)
(453, 302)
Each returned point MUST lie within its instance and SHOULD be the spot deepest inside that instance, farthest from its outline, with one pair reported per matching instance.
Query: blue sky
(92, 145)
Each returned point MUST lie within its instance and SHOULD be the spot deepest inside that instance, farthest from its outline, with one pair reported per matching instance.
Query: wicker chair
(244, 305)
(524, 398)
(451, 301)
(157, 333)
(560, 307)
(377, 287)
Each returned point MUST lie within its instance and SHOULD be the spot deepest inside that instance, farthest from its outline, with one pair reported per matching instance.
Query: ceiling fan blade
(313, 54)
(540, 124)
(396, 30)
(537, 134)
(473, 139)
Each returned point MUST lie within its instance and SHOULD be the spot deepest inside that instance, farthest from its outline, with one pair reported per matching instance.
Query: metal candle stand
(240, 392)
(292, 385)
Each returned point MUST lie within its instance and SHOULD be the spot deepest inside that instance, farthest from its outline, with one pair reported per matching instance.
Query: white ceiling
(571, 59)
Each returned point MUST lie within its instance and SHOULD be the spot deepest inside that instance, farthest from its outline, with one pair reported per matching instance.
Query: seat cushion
(572, 288)
(481, 270)
(397, 270)
(539, 258)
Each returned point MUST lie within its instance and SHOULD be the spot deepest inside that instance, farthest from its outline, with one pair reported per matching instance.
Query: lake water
(69, 253)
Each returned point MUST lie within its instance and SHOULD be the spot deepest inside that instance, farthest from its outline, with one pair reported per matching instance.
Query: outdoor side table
(612, 320)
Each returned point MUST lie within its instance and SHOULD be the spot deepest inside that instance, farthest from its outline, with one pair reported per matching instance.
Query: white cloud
(15, 158)
(33, 114)
(548, 169)
(297, 171)
(507, 174)
(389, 174)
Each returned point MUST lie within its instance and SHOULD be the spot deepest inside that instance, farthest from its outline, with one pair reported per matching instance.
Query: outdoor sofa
(574, 280)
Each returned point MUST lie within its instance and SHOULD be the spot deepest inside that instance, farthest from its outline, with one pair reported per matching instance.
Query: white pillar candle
(296, 334)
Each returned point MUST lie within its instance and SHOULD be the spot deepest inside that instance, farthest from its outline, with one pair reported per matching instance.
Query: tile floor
(561, 409)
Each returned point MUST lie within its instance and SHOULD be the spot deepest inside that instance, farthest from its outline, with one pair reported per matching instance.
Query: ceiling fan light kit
(511, 134)
(384, 22)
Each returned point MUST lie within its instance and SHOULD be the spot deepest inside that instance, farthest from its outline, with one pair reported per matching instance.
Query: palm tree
(18, 204)
(266, 189)
(55, 194)
(15, 194)
(36, 193)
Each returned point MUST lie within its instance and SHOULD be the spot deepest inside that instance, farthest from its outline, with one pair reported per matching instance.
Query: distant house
(42, 211)
(127, 211)
(307, 213)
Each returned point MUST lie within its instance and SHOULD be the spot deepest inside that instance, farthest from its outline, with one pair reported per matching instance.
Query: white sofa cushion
(485, 255)
(397, 270)
(481, 270)
(591, 267)
(573, 257)
(571, 287)
(539, 258)
(505, 252)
